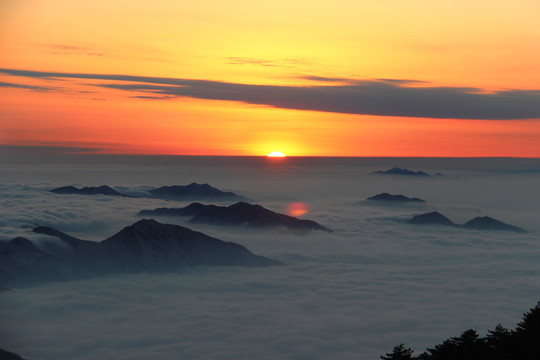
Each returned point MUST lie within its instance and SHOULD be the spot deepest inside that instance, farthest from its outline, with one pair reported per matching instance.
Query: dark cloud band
(382, 97)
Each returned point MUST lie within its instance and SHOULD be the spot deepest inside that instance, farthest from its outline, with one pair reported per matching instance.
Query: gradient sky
(322, 78)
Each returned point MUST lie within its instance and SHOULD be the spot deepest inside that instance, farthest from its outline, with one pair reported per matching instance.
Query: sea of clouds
(354, 293)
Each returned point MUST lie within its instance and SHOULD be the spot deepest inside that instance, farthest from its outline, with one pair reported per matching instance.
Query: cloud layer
(354, 293)
(383, 97)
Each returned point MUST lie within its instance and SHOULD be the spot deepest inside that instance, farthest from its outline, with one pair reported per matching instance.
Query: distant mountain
(478, 223)
(146, 245)
(101, 190)
(193, 191)
(432, 218)
(176, 192)
(487, 223)
(400, 171)
(237, 214)
(190, 210)
(386, 197)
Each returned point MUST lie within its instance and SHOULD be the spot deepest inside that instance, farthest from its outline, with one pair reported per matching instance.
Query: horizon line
(41, 151)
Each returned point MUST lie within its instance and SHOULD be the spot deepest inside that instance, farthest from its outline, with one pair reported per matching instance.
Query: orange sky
(322, 78)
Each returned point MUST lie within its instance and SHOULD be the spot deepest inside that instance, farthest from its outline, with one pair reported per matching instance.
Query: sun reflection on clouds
(297, 208)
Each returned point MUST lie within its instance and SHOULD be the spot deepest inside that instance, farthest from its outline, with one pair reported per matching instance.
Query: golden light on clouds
(237, 59)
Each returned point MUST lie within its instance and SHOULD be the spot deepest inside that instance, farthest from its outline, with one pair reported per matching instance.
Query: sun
(276, 154)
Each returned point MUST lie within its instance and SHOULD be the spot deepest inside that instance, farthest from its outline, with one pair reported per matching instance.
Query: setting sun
(276, 154)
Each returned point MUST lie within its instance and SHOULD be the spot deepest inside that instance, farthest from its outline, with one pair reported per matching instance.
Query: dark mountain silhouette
(72, 241)
(146, 245)
(101, 190)
(238, 214)
(487, 223)
(176, 192)
(190, 210)
(400, 171)
(478, 223)
(193, 191)
(386, 197)
(22, 264)
(85, 256)
(6, 355)
(432, 218)
(151, 246)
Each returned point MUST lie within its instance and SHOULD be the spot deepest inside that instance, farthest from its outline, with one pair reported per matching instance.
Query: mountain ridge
(146, 245)
(386, 197)
(98, 190)
(193, 191)
(401, 171)
(238, 214)
(478, 223)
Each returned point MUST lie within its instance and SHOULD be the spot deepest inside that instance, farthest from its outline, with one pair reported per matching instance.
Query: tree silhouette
(531, 321)
(523, 343)
(468, 346)
(499, 343)
(399, 353)
(527, 335)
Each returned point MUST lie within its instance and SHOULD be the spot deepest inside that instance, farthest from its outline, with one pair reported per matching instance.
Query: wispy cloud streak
(28, 87)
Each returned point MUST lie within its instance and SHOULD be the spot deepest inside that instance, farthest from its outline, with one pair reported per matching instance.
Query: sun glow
(276, 154)
(297, 209)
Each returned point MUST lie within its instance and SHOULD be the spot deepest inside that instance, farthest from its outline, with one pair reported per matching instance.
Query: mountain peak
(242, 205)
(153, 246)
(431, 218)
(488, 223)
(142, 229)
(145, 223)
